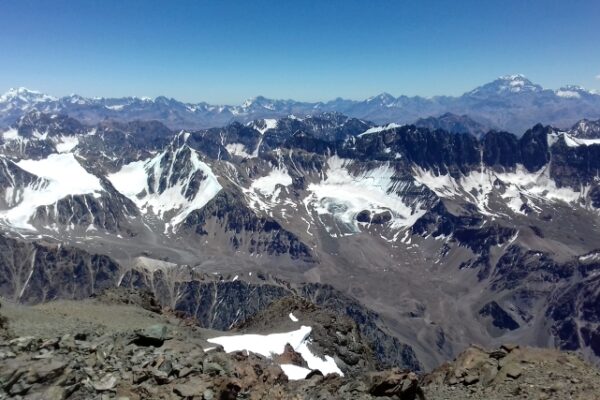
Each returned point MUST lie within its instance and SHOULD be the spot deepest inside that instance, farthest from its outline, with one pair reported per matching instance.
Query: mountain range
(429, 239)
(511, 103)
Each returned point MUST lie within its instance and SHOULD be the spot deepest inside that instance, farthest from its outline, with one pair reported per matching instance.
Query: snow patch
(268, 124)
(379, 129)
(343, 195)
(267, 185)
(60, 175)
(67, 143)
(237, 149)
(294, 372)
(11, 134)
(274, 344)
(572, 141)
(568, 94)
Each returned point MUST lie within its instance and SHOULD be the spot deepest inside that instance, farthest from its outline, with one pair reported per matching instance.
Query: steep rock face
(501, 150)
(245, 229)
(108, 212)
(518, 265)
(534, 148)
(499, 317)
(38, 124)
(388, 350)
(575, 166)
(113, 144)
(36, 272)
(575, 315)
(437, 150)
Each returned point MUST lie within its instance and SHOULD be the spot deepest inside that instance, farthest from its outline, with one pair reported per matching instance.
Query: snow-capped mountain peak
(508, 84)
(383, 99)
(259, 102)
(24, 95)
(572, 92)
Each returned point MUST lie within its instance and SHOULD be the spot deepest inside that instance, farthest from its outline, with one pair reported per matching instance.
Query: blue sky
(227, 51)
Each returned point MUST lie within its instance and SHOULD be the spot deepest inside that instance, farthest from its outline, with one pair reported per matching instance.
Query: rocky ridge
(169, 359)
(80, 351)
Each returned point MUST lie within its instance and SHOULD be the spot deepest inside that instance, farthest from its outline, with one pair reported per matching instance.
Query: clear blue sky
(226, 51)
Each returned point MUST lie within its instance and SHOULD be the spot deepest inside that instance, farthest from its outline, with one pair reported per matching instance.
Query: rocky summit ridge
(119, 345)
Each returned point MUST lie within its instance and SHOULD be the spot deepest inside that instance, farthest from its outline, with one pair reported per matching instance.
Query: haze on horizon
(226, 52)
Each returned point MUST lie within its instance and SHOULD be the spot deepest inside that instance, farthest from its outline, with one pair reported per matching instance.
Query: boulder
(154, 335)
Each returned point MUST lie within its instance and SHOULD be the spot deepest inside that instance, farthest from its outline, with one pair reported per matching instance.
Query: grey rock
(512, 371)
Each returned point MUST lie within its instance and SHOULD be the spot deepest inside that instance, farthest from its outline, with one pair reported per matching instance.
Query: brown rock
(290, 356)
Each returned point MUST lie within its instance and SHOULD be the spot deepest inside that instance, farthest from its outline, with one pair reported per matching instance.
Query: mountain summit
(516, 83)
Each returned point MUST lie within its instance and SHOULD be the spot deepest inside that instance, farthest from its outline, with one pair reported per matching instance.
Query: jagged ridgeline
(406, 229)
(511, 102)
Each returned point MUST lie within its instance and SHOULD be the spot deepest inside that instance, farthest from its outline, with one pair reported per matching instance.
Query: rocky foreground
(127, 348)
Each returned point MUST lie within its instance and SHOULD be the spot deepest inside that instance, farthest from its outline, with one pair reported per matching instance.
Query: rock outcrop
(513, 372)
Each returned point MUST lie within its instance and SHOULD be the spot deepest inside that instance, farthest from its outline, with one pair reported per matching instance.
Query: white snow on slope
(66, 143)
(62, 176)
(344, 195)
(11, 134)
(294, 372)
(132, 181)
(511, 187)
(576, 142)
(570, 140)
(274, 344)
(568, 94)
(264, 192)
(238, 149)
(593, 256)
(268, 185)
(380, 129)
(269, 124)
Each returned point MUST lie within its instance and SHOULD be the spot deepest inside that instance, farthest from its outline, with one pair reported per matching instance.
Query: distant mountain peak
(383, 98)
(507, 84)
(257, 101)
(25, 95)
